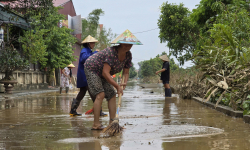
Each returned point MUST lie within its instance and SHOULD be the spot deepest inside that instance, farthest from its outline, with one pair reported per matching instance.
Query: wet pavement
(42, 122)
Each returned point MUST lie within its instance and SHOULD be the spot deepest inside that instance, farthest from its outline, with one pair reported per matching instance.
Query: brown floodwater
(152, 123)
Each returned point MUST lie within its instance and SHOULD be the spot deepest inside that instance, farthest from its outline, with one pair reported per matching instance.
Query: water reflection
(167, 110)
(81, 131)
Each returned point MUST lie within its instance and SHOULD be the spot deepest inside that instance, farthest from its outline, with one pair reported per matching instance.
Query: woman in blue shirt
(88, 44)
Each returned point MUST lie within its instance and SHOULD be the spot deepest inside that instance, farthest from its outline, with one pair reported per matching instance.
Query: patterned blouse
(66, 71)
(109, 55)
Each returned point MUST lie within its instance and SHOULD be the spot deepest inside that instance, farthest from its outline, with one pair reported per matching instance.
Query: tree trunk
(9, 75)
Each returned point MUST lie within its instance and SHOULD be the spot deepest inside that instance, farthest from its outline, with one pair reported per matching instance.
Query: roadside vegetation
(147, 69)
(215, 37)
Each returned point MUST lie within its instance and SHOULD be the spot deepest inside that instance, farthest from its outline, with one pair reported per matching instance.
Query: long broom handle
(120, 99)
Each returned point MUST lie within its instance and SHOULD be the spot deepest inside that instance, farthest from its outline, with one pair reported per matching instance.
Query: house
(27, 79)
(34, 77)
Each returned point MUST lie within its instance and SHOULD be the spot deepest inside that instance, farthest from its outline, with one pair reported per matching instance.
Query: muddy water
(151, 122)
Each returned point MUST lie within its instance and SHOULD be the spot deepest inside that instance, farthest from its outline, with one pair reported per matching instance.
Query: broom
(114, 128)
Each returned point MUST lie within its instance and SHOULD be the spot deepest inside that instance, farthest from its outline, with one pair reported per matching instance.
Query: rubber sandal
(99, 128)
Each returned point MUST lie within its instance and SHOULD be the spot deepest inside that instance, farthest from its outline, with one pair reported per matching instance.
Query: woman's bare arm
(63, 71)
(126, 76)
(162, 70)
(107, 76)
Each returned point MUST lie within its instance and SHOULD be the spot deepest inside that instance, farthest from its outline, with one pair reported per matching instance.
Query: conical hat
(71, 66)
(126, 38)
(164, 57)
(89, 39)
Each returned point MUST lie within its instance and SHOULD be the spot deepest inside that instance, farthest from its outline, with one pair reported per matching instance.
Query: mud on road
(42, 122)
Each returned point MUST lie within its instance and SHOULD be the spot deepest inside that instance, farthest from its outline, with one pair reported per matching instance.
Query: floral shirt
(66, 71)
(109, 55)
(65, 79)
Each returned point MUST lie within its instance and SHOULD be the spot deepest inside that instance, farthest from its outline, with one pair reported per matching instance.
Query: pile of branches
(228, 86)
(190, 86)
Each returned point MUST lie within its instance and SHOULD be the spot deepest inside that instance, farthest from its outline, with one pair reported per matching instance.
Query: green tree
(11, 60)
(132, 72)
(208, 9)
(229, 36)
(28, 8)
(34, 46)
(90, 27)
(177, 29)
(186, 31)
(149, 67)
(105, 38)
(146, 69)
(48, 43)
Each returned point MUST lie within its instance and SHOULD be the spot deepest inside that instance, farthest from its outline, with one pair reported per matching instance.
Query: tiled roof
(56, 2)
(14, 4)
(60, 2)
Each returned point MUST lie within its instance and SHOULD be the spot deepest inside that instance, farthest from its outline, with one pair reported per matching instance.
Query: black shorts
(165, 81)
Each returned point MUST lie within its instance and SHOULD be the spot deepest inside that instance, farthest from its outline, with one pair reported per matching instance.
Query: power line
(145, 31)
(139, 59)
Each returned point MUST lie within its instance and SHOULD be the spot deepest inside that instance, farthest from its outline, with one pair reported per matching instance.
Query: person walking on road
(100, 67)
(165, 75)
(66, 78)
(88, 44)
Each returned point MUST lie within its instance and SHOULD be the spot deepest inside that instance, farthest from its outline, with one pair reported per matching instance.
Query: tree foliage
(224, 57)
(149, 67)
(132, 72)
(105, 38)
(47, 42)
(177, 29)
(208, 9)
(229, 39)
(91, 23)
(185, 31)
(28, 7)
(11, 60)
(34, 46)
(205, 11)
(90, 26)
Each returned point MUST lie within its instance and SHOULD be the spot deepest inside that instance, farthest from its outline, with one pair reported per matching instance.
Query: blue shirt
(81, 77)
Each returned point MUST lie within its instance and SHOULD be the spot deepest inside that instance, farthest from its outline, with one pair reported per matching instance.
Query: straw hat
(89, 39)
(71, 66)
(126, 38)
(164, 57)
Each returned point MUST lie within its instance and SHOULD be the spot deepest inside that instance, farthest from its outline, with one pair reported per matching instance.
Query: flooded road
(43, 122)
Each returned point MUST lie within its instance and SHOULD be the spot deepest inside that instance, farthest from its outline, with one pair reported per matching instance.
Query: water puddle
(139, 133)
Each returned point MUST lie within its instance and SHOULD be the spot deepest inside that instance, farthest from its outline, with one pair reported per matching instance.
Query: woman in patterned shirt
(99, 68)
(88, 44)
(65, 78)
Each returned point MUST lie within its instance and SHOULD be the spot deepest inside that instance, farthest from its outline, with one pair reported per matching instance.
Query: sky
(136, 16)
